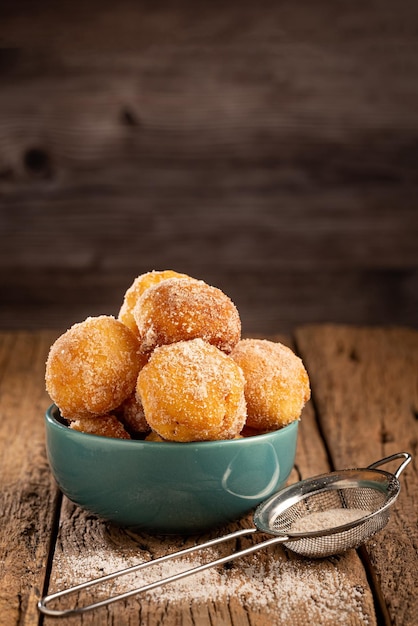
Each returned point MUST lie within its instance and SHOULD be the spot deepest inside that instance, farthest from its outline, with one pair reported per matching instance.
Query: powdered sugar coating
(135, 291)
(104, 426)
(178, 310)
(192, 391)
(92, 368)
(276, 383)
(131, 414)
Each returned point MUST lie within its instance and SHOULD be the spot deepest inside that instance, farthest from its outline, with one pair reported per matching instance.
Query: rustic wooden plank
(27, 494)
(365, 392)
(164, 24)
(269, 299)
(240, 84)
(246, 142)
(271, 586)
(346, 227)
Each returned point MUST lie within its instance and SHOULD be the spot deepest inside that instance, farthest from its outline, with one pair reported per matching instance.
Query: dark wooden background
(270, 149)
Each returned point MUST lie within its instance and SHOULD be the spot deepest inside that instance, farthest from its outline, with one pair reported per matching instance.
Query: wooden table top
(364, 407)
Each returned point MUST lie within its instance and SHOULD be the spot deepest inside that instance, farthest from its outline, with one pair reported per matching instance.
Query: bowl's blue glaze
(168, 487)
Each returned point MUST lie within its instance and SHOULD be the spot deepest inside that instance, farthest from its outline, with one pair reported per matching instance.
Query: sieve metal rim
(288, 497)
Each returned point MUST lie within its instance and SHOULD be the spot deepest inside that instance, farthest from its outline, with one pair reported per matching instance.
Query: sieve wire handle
(42, 604)
(392, 457)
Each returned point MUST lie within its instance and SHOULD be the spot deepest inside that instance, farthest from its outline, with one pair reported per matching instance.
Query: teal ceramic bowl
(163, 487)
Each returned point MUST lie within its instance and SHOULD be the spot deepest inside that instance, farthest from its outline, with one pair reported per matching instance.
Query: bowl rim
(51, 420)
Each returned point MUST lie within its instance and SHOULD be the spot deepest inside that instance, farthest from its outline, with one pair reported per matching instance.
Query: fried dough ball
(191, 391)
(92, 368)
(179, 310)
(276, 383)
(140, 284)
(131, 414)
(154, 437)
(105, 426)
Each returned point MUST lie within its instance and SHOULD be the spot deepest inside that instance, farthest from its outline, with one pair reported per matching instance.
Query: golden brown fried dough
(131, 414)
(105, 426)
(276, 383)
(191, 391)
(154, 437)
(179, 310)
(140, 284)
(92, 368)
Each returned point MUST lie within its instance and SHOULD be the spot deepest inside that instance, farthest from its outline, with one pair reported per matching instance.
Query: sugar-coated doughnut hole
(153, 436)
(276, 383)
(133, 293)
(131, 414)
(192, 391)
(92, 368)
(179, 310)
(104, 426)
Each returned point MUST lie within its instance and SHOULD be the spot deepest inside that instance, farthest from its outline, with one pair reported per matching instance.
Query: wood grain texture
(364, 406)
(22, 362)
(365, 390)
(248, 145)
(323, 591)
(27, 494)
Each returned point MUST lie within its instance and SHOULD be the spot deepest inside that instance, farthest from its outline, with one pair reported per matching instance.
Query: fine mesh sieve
(330, 513)
(315, 518)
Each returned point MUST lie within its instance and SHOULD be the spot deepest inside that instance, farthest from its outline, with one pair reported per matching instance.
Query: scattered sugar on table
(322, 588)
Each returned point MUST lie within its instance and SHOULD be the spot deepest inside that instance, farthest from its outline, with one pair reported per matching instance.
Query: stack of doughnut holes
(173, 367)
